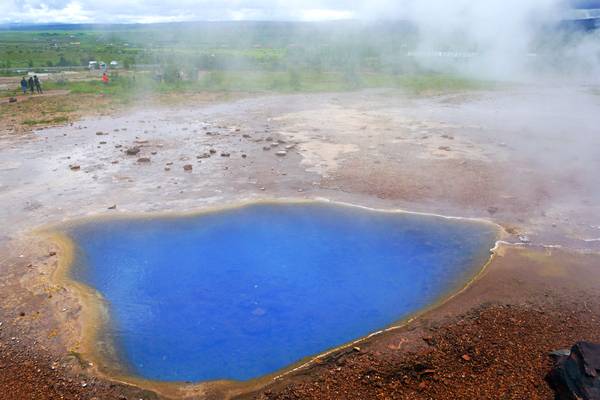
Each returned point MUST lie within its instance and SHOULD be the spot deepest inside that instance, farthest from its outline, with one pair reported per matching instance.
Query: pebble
(187, 167)
(281, 153)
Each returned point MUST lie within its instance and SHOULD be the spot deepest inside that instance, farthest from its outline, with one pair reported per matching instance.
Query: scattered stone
(281, 153)
(132, 151)
(52, 254)
(244, 156)
(466, 357)
(524, 239)
(492, 210)
(444, 148)
(12, 100)
(118, 146)
(560, 353)
(167, 169)
(266, 148)
(102, 142)
(187, 167)
(153, 153)
(21, 314)
(225, 154)
(143, 160)
(75, 167)
(204, 155)
(100, 133)
(113, 207)
(269, 139)
(245, 135)
(212, 151)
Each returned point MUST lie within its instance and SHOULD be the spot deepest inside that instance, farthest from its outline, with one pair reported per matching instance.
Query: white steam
(497, 39)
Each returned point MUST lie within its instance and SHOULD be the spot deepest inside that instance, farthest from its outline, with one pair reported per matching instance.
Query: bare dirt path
(29, 95)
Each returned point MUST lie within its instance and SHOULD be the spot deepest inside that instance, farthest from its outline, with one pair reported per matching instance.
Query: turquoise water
(245, 292)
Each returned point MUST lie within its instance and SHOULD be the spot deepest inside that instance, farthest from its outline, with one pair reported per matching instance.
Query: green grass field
(242, 57)
(127, 88)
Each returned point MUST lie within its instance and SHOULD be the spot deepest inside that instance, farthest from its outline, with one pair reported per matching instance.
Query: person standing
(105, 78)
(38, 85)
(31, 84)
(24, 85)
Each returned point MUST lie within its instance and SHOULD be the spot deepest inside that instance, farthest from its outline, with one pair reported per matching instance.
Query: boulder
(132, 151)
(576, 376)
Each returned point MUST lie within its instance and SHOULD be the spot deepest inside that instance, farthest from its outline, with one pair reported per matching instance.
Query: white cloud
(111, 11)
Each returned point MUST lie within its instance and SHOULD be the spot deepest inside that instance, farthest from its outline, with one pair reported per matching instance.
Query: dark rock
(492, 210)
(113, 207)
(212, 151)
(132, 151)
(74, 167)
(143, 160)
(187, 167)
(12, 100)
(225, 154)
(577, 376)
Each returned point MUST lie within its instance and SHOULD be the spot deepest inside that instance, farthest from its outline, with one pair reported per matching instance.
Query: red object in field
(104, 78)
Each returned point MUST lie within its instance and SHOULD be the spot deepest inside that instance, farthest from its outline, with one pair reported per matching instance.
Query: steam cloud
(501, 39)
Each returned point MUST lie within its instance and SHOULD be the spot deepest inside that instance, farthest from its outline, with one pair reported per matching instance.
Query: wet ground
(526, 158)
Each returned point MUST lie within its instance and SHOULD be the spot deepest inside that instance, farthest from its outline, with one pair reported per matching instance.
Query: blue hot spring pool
(244, 292)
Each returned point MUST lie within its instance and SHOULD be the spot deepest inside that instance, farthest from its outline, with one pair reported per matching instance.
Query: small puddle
(245, 292)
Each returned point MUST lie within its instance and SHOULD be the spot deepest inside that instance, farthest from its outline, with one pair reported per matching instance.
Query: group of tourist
(33, 83)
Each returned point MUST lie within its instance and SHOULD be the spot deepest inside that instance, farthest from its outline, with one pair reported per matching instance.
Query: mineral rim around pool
(244, 292)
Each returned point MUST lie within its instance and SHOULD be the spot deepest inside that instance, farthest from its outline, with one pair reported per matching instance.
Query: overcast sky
(111, 11)
(125, 11)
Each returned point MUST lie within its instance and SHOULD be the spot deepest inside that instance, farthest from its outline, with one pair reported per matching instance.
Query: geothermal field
(390, 201)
